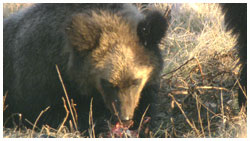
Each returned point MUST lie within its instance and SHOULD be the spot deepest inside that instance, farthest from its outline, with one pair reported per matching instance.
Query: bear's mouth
(121, 123)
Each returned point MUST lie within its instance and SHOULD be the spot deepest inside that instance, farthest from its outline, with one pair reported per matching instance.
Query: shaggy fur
(236, 21)
(108, 52)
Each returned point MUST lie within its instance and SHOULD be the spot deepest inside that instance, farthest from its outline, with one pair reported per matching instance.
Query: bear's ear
(152, 28)
(83, 33)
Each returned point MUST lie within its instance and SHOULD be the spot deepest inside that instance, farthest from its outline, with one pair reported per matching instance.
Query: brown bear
(108, 52)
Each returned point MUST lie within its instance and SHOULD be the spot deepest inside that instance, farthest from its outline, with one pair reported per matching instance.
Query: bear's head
(120, 56)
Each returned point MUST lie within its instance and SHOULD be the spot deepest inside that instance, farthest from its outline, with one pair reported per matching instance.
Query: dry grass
(199, 81)
(10, 8)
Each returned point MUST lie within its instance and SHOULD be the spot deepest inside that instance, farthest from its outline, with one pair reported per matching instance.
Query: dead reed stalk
(67, 98)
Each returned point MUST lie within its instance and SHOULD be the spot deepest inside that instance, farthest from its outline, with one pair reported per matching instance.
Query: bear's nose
(125, 118)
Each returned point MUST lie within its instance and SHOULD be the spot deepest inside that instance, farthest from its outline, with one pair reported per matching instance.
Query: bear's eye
(108, 87)
(136, 82)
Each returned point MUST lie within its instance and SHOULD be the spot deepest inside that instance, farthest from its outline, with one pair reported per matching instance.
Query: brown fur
(108, 52)
(119, 58)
